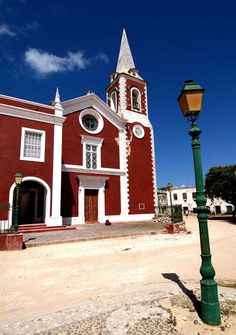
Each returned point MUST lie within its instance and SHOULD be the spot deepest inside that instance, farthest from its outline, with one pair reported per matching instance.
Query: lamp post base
(210, 307)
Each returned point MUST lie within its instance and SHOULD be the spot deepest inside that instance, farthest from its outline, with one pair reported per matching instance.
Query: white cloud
(6, 30)
(43, 63)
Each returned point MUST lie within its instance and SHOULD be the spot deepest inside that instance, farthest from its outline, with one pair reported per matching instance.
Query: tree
(221, 183)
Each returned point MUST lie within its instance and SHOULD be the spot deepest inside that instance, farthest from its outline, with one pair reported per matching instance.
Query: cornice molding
(26, 101)
(101, 171)
(28, 114)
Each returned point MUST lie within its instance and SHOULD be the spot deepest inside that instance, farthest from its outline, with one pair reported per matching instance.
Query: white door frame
(91, 183)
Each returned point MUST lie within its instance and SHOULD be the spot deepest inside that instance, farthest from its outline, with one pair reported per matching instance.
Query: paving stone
(94, 231)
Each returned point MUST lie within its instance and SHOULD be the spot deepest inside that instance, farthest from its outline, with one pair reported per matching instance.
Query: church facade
(83, 160)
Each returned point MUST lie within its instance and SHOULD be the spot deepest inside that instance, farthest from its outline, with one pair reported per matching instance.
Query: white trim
(91, 140)
(22, 147)
(47, 195)
(124, 179)
(130, 217)
(26, 101)
(146, 98)
(134, 88)
(56, 218)
(122, 96)
(28, 114)
(93, 101)
(132, 117)
(82, 169)
(94, 183)
(154, 177)
(91, 111)
(113, 103)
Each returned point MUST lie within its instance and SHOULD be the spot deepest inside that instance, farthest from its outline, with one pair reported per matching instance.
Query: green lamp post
(18, 180)
(190, 101)
(169, 188)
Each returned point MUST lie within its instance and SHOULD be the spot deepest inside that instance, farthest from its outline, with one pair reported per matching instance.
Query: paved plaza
(95, 231)
(143, 284)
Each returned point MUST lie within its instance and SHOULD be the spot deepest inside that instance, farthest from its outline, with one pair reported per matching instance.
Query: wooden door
(27, 206)
(91, 206)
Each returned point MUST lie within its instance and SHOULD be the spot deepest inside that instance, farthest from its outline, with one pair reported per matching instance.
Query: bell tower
(126, 94)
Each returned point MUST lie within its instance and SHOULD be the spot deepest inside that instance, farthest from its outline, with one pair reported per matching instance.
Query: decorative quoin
(83, 160)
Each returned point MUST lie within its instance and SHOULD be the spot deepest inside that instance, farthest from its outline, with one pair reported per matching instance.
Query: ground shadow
(189, 293)
(29, 239)
(228, 218)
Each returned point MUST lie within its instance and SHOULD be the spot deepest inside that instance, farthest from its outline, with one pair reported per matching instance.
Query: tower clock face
(138, 131)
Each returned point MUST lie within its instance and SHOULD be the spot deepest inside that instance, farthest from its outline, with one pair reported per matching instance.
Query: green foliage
(221, 183)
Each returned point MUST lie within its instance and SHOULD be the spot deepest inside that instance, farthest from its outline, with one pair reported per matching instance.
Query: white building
(186, 196)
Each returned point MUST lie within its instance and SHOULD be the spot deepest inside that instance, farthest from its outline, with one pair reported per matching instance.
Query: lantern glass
(194, 101)
(190, 99)
(169, 187)
(18, 178)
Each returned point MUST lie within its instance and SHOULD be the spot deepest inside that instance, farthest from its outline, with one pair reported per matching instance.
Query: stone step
(32, 225)
(41, 228)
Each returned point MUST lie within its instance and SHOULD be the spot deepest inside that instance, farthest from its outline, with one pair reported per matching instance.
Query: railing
(5, 226)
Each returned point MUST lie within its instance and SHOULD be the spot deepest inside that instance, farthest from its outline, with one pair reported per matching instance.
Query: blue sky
(75, 44)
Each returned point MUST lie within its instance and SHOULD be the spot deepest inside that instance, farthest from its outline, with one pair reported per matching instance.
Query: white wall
(191, 203)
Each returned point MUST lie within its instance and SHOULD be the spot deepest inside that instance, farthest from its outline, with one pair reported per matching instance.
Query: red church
(83, 160)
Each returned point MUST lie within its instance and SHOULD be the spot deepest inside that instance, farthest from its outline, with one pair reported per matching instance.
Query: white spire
(125, 60)
(58, 105)
(57, 97)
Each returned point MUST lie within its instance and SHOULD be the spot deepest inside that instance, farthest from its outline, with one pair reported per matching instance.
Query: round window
(90, 122)
(138, 131)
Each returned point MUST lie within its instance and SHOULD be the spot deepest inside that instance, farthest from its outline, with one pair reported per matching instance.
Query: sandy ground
(42, 280)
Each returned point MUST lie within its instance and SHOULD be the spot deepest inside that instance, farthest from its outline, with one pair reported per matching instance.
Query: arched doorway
(32, 202)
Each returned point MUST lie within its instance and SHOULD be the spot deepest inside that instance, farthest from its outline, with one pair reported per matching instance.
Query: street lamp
(169, 188)
(18, 180)
(190, 101)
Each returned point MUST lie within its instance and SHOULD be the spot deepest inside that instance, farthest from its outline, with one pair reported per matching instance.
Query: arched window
(114, 101)
(135, 99)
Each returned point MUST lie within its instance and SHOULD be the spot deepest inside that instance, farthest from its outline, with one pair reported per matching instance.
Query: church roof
(125, 62)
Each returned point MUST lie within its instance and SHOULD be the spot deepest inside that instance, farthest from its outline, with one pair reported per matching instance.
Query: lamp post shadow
(189, 293)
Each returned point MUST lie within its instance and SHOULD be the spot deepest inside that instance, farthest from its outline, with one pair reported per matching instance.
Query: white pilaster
(124, 180)
(56, 218)
(101, 204)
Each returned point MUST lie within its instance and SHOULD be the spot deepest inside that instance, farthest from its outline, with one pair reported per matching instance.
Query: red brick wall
(72, 147)
(26, 105)
(69, 194)
(140, 173)
(10, 141)
(70, 187)
(112, 196)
